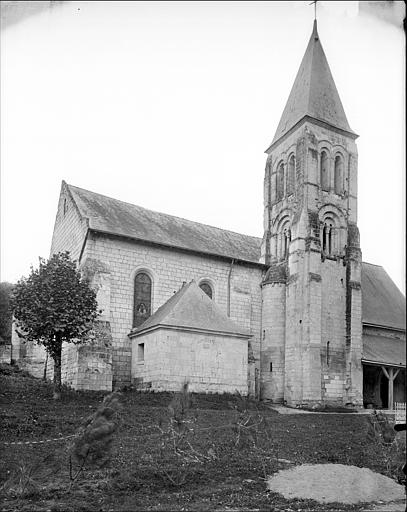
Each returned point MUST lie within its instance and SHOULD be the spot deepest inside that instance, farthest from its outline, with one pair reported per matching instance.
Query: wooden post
(390, 388)
(391, 375)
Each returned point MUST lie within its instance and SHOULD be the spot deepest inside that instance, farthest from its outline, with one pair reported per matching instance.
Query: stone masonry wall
(333, 332)
(169, 268)
(273, 342)
(88, 365)
(210, 363)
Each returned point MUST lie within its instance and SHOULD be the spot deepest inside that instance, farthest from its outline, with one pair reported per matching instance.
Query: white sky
(171, 105)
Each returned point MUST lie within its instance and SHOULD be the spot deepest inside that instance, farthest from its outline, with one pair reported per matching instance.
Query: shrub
(93, 444)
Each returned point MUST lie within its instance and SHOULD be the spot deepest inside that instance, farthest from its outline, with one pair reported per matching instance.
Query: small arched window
(324, 239)
(324, 170)
(338, 175)
(328, 239)
(286, 242)
(142, 298)
(291, 175)
(280, 182)
(207, 288)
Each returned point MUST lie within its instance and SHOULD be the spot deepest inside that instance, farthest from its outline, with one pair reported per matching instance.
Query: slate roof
(191, 308)
(314, 92)
(381, 350)
(382, 302)
(116, 217)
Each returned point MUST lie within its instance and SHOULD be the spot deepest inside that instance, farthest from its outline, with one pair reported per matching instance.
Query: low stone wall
(32, 358)
(86, 366)
(5, 354)
(89, 366)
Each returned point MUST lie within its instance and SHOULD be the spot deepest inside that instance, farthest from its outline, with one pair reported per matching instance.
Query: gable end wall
(70, 228)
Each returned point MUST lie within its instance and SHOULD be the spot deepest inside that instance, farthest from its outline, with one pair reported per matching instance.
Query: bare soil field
(230, 449)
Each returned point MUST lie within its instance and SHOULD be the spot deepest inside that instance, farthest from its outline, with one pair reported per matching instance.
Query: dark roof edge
(389, 328)
(182, 249)
(136, 333)
(319, 122)
(380, 363)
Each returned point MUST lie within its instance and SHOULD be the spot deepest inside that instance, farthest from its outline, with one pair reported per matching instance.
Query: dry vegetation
(146, 451)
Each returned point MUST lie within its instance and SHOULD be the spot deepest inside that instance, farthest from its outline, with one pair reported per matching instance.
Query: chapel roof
(112, 216)
(382, 302)
(314, 93)
(190, 308)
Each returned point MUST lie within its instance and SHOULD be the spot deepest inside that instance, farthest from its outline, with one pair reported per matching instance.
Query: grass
(35, 477)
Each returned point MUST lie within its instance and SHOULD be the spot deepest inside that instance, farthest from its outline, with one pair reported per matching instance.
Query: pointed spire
(314, 93)
(315, 31)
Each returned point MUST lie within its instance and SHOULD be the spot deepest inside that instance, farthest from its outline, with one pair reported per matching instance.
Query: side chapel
(295, 317)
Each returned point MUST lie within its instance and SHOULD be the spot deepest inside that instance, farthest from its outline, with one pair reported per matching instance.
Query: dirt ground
(144, 472)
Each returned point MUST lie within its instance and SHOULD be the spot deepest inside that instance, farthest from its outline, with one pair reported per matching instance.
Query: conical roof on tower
(314, 93)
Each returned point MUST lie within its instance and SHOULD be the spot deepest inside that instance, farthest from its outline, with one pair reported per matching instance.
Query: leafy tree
(5, 312)
(55, 304)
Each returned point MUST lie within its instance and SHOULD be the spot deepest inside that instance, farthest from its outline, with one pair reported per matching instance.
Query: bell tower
(312, 328)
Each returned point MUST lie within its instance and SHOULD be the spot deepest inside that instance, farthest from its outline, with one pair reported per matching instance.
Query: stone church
(295, 317)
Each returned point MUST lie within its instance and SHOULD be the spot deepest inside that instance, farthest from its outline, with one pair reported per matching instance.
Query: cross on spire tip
(315, 9)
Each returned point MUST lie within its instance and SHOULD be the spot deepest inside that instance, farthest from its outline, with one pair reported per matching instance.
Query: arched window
(324, 239)
(286, 242)
(291, 175)
(324, 171)
(280, 181)
(142, 298)
(207, 288)
(338, 175)
(328, 239)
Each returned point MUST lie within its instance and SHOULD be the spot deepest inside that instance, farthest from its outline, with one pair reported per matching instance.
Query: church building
(295, 317)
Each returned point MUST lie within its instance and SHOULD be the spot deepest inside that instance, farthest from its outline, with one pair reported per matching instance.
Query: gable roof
(191, 308)
(382, 302)
(108, 215)
(314, 93)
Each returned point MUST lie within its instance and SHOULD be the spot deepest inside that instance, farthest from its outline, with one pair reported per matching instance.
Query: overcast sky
(171, 105)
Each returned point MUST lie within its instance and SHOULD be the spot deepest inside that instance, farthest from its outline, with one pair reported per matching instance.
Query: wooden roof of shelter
(384, 351)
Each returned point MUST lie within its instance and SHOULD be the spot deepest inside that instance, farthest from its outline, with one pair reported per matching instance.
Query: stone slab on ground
(335, 483)
(281, 409)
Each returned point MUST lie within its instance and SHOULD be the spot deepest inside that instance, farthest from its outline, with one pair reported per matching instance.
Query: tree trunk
(57, 370)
